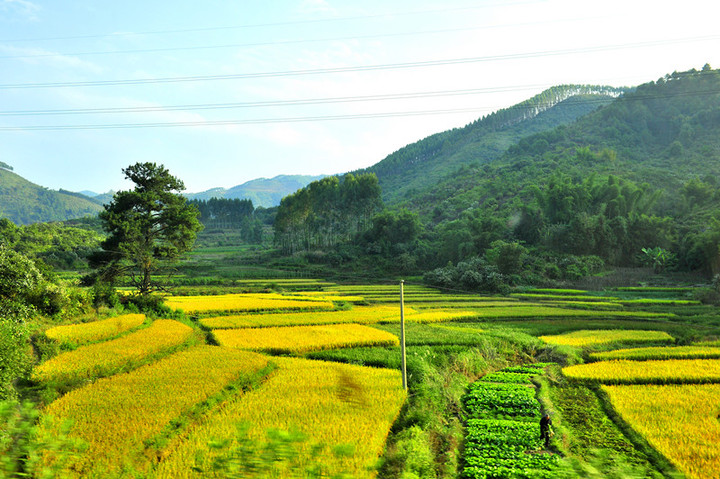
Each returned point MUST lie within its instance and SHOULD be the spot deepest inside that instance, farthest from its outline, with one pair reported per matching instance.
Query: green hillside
(632, 182)
(23, 202)
(663, 133)
(419, 166)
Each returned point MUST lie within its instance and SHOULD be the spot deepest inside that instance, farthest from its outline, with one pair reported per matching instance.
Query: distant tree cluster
(233, 214)
(56, 244)
(327, 212)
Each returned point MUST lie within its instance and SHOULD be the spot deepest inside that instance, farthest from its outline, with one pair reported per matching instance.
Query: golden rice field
(623, 371)
(437, 316)
(585, 338)
(114, 416)
(325, 296)
(659, 352)
(245, 302)
(298, 339)
(359, 314)
(95, 331)
(332, 404)
(680, 421)
(102, 359)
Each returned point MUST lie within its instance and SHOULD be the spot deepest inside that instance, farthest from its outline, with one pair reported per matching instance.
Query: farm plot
(503, 432)
(586, 338)
(359, 314)
(114, 416)
(342, 414)
(299, 339)
(83, 333)
(659, 352)
(245, 302)
(103, 359)
(622, 371)
(680, 421)
(543, 311)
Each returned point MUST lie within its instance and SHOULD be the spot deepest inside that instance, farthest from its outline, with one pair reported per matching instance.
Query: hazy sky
(222, 92)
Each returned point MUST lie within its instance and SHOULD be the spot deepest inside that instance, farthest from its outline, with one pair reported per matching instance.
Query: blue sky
(223, 92)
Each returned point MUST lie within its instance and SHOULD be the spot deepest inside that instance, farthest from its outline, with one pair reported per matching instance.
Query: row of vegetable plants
(502, 428)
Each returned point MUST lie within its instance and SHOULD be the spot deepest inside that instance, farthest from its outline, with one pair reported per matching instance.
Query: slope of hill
(664, 133)
(421, 165)
(23, 202)
(262, 191)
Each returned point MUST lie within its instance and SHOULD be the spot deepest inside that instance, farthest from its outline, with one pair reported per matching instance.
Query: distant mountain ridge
(264, 192)
(24, 202)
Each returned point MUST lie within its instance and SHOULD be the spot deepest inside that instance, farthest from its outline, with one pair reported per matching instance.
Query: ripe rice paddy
(658, 352)
(115, 415)
(680, 421)
(102, 359)
(245, 302)
(298, 339)
(623, 371)
(585, 338)
(83, 333)
(359, 314)
(333, 406)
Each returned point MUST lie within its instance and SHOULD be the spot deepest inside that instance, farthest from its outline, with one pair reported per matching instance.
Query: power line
(362, 68)
(272, 24)
(298, 102)
(306, 119)
(255, 121)
(284, 42)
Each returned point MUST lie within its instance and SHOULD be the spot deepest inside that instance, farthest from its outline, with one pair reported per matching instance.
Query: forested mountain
(419, 166)
(262, 191)
(23, 202)
(515, 199)
(664, 133)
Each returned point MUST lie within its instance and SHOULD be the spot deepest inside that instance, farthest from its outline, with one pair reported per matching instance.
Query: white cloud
(22, 8)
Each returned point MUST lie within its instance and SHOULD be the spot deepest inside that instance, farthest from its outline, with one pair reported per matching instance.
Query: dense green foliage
(57, 245)
(231, 214)
(327, 212)
(149, 227)
(23, 202)
(628, 181)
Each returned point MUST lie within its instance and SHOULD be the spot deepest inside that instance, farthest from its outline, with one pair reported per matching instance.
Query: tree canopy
(148, 228)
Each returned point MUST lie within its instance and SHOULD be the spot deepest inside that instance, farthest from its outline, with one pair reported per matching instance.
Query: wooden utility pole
(402, 335)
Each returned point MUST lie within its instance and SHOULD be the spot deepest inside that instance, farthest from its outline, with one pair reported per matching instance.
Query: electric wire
(281, 42)
(276, 24)
(305, 119)
(358, 68)
(272, 103)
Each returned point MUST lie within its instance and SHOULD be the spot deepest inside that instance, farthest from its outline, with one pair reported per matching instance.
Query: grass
(589, 439)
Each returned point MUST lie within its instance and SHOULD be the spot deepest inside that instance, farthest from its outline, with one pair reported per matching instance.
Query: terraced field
(268, 396)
